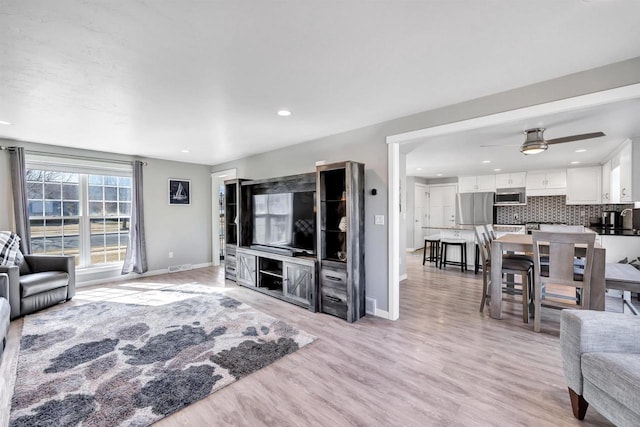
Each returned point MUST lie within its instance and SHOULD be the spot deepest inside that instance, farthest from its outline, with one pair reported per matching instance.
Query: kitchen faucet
(625, 211)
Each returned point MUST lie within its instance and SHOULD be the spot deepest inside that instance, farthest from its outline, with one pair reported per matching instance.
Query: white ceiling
(460, 154)
(153, 78)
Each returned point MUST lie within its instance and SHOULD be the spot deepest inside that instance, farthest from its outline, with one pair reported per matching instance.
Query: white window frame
(84, 168)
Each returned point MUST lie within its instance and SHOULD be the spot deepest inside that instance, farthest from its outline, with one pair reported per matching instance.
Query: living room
(346, 368)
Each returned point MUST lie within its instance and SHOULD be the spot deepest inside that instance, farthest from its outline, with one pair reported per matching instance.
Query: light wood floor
(443, 363)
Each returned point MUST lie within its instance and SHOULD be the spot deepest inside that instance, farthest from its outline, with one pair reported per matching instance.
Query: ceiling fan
(535, 142)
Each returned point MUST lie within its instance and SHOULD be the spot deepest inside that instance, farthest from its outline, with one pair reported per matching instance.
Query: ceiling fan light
(533, 147)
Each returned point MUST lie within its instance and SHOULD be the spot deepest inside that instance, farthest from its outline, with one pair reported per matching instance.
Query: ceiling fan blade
(500, 145)
(575, 138)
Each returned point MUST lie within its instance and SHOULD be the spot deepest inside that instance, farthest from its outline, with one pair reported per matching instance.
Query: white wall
(184, 230)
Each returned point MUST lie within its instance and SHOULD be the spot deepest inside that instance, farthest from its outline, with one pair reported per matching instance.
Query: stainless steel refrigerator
(474, 208)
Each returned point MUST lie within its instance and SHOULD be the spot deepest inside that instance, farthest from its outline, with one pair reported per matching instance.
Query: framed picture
(179, 191)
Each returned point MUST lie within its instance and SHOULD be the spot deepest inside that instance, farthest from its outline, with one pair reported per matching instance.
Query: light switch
(378, 220)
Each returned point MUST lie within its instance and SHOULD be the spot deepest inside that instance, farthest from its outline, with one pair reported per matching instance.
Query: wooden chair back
(561, 249)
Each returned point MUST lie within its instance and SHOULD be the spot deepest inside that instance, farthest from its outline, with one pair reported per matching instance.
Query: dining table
(524, 243)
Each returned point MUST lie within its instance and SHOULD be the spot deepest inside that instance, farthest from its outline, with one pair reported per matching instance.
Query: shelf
(335, 201)
(334, 231)
(272, 273)
(334, 260)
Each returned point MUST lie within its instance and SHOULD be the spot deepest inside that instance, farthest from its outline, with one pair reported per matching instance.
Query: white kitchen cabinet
(546, 182)
(466, 184)
(620, 247)
(473, 184)
(584, 185)
(453, 254)
(486, 182)
(606, 182)
(625, 173)
(511, 180)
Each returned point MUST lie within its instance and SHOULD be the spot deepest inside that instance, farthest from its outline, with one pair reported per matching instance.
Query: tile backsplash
(552, 209)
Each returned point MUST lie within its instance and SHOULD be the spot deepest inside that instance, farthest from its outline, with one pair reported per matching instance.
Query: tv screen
(285, 220)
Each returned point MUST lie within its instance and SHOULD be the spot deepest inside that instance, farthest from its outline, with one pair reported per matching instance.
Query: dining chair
(510, 267)
(562, 268)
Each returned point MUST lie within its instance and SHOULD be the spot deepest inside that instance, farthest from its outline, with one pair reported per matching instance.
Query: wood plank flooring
(443, 363)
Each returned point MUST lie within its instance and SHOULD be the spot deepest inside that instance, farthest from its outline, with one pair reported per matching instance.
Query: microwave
(510, 196)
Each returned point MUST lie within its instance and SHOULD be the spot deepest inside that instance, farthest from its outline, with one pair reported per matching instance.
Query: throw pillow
(9, 248)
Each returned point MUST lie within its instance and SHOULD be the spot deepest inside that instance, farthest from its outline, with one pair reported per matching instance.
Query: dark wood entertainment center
(332, 280)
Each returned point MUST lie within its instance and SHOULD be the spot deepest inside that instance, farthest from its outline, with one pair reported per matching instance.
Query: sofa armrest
(587, 331)
(14, 288)
(66, 263)
(4, 286)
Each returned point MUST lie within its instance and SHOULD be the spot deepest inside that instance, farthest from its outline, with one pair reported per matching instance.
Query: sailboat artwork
(179, 192)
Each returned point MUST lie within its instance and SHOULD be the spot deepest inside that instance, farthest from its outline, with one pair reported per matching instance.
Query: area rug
(109, 364)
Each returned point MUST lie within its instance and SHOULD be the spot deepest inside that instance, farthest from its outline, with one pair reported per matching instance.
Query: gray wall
(184, 230)
(368, 145)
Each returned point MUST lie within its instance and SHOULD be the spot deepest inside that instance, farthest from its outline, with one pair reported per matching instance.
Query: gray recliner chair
(40, 282)
(5, 311)
(601, 358)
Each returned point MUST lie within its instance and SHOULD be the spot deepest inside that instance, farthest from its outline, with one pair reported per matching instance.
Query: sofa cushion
(33, 284)
(616, 374)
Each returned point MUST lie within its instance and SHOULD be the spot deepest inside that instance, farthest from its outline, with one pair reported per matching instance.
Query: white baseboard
(131, 276)
(381, 313)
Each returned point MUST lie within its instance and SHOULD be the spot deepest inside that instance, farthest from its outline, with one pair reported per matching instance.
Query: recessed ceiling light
(418, 169)
(575, 162)
(438, 174)
(486, 161)
(284, 113)
(497, 170)
(184, 151)
(582, 150)
(2, 122)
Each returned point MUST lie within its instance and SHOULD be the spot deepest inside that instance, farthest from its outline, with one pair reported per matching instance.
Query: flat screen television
(285, 220)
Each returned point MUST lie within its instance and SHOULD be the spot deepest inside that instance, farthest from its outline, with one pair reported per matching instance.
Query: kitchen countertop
(607, 231)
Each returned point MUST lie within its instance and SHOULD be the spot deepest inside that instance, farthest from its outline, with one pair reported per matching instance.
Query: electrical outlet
(378, 220)
(170, 254)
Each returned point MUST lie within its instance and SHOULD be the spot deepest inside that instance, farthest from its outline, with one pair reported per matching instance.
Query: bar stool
(444, 245)
(434, 248)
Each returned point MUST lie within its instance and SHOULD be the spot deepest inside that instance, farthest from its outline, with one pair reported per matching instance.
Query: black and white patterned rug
(110, 363)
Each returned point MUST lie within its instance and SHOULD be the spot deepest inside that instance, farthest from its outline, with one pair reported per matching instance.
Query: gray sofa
(41, 281)
(601, 357)
(5, 311)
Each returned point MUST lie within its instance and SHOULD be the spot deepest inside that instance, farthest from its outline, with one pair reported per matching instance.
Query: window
(79, 213)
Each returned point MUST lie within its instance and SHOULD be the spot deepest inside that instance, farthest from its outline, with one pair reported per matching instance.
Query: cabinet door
(536, 180)
(625, 173)
(583, 186)
(518, 179)
(486, 182)
(298, 282)
(556, 179)
(246, 269)
(503, 180)
(467, 184)
(606, 182)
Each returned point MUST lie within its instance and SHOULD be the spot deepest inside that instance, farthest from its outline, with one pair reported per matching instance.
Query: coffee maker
(611, 219)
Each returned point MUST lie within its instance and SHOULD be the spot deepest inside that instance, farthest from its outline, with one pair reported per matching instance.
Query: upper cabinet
(546, 183)
(622, 173)
(473, 184)
(511, 180)
(584, 186)
(606, 182)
